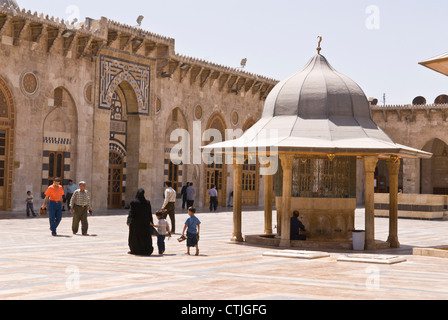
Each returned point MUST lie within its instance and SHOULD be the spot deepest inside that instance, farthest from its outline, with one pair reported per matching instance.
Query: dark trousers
(170, 212)
(80, 215)
(184, 201)
(30, 209)
(190, 203)
(213, 203)
(69, 198)
(54, 215)
(161, 244)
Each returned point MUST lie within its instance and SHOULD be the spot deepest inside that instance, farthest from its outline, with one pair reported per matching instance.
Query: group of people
(188, 194)
(141, 224)
(78, 201)
(140, 220)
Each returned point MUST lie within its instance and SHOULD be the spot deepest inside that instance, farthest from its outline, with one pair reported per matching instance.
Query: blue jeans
(161, 243)
(55, 215)
(30, 209)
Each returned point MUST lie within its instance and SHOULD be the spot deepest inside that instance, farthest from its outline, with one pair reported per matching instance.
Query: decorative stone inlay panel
(198, 112)
(29, 83)
(235, 118)
(88, 92)
(114, 71)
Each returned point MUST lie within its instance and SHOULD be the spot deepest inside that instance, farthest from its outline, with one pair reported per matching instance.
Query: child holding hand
(163, 229)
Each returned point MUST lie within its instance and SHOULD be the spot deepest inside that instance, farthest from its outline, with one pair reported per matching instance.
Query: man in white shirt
(169, 205)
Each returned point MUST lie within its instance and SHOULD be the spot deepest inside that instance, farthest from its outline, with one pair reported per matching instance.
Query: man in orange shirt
(54, 193)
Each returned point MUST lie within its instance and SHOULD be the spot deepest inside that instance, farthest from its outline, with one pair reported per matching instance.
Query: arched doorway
(115, 181)
(175, 171)
(250, 183)
(124, 144)
(7, 124)
(59, 141)
(434, 172)
(216, 172)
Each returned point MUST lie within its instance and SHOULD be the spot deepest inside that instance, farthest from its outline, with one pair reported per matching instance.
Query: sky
(377, 43)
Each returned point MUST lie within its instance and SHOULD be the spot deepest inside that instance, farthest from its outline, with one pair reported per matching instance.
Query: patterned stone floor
(34, 265)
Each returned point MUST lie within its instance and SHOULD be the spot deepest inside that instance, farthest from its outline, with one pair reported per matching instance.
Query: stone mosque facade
(99, 101)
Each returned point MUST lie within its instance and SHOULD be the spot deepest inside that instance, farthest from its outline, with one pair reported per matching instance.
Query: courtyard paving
(35, 265)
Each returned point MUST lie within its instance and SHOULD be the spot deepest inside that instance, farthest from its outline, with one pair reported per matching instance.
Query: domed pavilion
(316, 124)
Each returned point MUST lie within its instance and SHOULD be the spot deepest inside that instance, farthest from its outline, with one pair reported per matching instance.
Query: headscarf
(141, 195)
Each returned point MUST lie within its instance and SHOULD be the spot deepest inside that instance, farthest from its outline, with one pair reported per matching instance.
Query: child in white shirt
(163, 229)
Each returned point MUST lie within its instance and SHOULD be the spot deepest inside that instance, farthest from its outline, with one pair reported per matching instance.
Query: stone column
(393, 166)
(237, 202)
(287, 163)
(268, 185)
(370, 163)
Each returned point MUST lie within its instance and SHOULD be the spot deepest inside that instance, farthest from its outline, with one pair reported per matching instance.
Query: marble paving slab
(372, 258)
(296, 254)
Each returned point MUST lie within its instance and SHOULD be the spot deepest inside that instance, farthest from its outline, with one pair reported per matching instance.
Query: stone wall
(63, 79)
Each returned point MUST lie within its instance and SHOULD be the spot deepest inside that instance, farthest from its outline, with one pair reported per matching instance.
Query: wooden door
(173, 176)
(214, 176)
(55, 167)
(250, 184)
(115, 181)
(3, 168)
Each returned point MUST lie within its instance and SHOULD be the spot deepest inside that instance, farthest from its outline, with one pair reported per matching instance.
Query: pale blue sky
(278, 37)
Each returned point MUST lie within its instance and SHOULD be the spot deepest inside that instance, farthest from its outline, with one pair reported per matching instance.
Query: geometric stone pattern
(113, 71)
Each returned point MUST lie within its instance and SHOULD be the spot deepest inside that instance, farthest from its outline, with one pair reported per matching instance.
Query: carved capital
(370, 163)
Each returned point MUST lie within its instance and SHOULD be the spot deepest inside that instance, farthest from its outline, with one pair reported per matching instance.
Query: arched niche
(434, 171)
(60, 139)
(7, 146)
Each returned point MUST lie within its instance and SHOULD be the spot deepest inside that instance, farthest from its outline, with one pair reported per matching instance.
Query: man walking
(169, 205)
(191, 194)
(183, 193)
(80, 206)
(54, 194)
(69, 191)
(213, 193)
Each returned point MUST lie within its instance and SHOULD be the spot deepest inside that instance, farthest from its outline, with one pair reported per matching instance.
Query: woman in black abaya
(139, 222)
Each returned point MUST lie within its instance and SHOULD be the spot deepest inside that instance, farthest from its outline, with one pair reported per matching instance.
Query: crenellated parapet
(70, 39)
(203, 73)
(408, 112)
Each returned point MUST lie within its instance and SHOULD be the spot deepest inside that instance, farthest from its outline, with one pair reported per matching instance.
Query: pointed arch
(434, 174)
(175, 171)
(251, 181)
(216, 173)
(7, 143)
(60, 132)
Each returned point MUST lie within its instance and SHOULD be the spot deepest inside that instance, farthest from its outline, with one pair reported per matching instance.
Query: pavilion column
(268, 187)
(237, 202)
(393, 166)
(287, 164)
(370, 163)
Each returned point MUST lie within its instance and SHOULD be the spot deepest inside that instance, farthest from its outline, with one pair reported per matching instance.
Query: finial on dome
(320, 41)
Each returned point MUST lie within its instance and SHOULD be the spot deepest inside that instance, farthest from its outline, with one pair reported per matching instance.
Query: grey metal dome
(318, 110)
(9, 3)
(318, 92)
